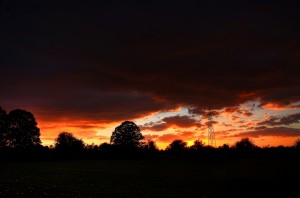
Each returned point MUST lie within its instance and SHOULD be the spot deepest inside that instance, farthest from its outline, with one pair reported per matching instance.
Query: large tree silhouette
(22, 129)
(127, 134)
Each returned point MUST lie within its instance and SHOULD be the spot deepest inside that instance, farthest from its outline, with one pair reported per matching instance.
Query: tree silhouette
(297, 144)
(66, 142)
(151, 150)
(177, 145)
(177, 148)
(197, 146)
(3, 128)
(297, 147)
(196, 150)
(245, 144)
(151, 146)
(245, 147)
(22, 129)
(127, 134)
(104, 147)
(224, 147)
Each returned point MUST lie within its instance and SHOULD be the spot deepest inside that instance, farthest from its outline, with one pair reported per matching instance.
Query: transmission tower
(211, 132)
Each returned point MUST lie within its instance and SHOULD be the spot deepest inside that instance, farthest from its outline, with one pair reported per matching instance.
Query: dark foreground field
(142, 178)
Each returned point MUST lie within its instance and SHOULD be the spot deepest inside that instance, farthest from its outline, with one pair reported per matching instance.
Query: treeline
(20, 140)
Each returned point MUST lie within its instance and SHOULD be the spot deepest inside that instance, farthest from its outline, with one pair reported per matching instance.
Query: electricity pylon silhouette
(211, 132)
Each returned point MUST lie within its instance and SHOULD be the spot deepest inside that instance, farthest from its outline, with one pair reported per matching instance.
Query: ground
(150, 178)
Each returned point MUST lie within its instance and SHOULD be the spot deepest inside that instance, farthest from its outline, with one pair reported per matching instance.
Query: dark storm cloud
(260, 127)
(167, 122)
(239, 111)
(114, 60)
(94, 106)
(205, 112)
(155, 126)
(181, 121)
(286, 120)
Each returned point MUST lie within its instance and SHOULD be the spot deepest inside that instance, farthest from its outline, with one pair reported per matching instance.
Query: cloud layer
(109, 61)
(116, 60)
(281, 120)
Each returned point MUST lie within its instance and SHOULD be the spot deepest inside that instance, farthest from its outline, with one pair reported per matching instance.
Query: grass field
(151, 178)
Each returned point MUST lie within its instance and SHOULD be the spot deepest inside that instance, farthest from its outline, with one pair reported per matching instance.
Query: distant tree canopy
(67, 142)
(151, 146)
(197, 146)
(18, 129)
(3, 128)
(245, 144)
(127, 134)
(297, 144)
(177, 147)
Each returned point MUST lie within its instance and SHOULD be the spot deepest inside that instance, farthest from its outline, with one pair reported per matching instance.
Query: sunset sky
(87, 66)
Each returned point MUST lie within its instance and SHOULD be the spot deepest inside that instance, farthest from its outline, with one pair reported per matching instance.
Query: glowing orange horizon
(101, 133)
(229, 126)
